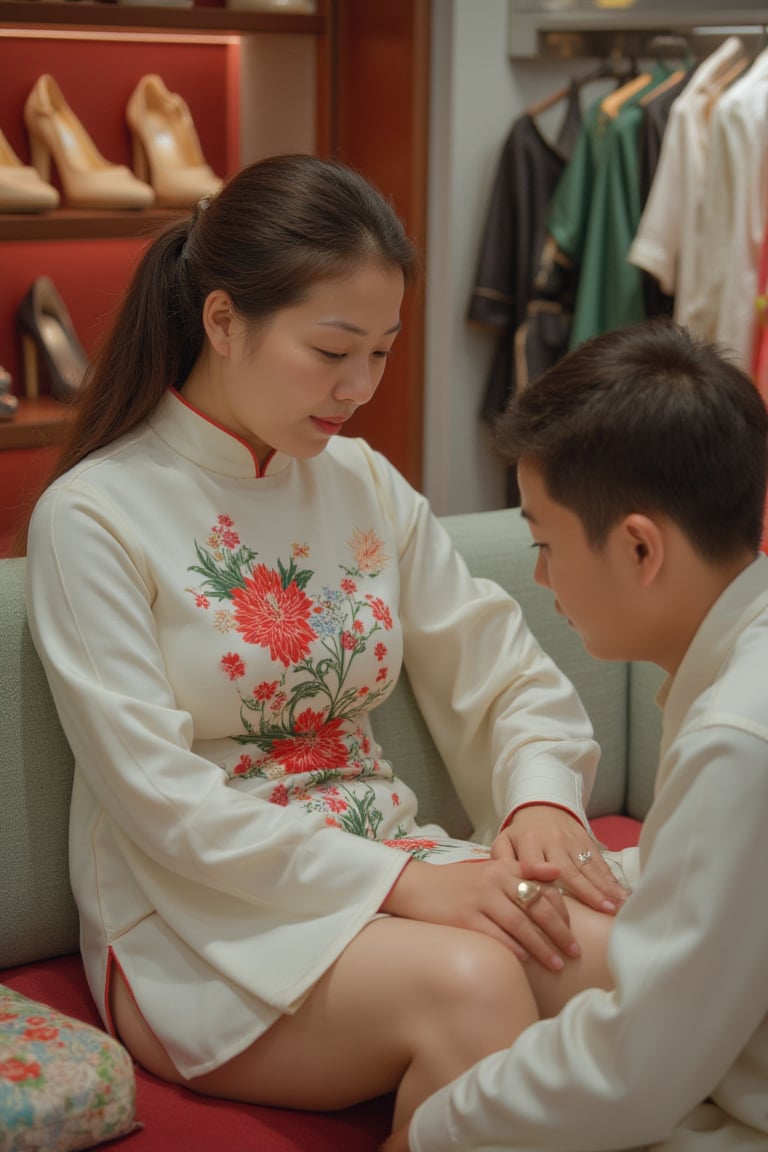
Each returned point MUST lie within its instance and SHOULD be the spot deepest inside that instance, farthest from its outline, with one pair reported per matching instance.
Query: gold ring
(526, 894)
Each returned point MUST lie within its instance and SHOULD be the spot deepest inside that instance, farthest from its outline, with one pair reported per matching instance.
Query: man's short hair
(648, 419)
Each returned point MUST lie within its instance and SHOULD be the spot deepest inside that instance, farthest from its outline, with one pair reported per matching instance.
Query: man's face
(590, 586)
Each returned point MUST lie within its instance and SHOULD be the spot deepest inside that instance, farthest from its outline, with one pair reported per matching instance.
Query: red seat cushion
(177, 1120)
(617, 832)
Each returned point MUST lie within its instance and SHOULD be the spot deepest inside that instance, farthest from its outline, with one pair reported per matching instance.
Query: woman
(222, 589)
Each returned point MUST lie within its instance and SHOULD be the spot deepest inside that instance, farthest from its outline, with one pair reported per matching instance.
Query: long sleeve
(466, 642)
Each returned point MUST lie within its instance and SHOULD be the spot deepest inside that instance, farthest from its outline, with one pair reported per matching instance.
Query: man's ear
(218, 320)
(645, 546)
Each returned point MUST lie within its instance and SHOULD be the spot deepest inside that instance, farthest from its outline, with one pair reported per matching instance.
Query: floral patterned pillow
(64, 1085)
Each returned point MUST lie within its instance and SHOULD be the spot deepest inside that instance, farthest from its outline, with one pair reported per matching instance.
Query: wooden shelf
(37, 424)
(78, 224)
(133, 18)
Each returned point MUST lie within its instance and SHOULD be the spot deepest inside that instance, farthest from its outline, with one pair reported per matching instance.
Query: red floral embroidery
(411, 843)
(380, 651)
(314, 745)
(232, 664)
(348, 641)
(380, 611)
(382, 673)
(243, 765)
(273, 616)
(265, 690)
(332, 800)
(348, 586)
(280, 796)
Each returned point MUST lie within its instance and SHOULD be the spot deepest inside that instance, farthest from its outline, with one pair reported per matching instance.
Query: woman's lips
(329, 425)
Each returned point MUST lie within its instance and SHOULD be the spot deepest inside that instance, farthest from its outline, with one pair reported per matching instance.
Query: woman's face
(295, 384)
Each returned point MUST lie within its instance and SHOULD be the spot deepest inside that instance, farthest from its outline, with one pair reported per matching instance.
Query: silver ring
(584, 858)
(526, 894)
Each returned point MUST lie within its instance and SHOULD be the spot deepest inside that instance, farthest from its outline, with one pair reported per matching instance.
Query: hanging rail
(567, 34)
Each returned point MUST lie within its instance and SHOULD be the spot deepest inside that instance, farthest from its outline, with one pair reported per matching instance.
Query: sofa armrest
(38, 917)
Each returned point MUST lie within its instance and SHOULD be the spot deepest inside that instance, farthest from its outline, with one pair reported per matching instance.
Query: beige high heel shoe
(87, 179)
(21, 189)
(166, 147)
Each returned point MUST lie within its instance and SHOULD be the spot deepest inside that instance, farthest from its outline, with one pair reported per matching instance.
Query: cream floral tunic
(307, 666)
(217, 638)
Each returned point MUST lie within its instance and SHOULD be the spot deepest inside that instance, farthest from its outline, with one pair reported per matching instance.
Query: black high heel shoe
(47, 334)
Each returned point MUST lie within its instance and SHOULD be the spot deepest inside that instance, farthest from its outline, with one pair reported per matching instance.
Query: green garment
(595, 213)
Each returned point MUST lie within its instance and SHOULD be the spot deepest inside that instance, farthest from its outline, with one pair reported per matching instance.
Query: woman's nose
(358, 384)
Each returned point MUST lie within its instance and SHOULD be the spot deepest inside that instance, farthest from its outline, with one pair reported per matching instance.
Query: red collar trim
(259, 470)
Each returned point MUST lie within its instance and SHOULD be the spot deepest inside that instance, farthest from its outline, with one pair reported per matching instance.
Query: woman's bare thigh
(553, 990)
(404, 1000)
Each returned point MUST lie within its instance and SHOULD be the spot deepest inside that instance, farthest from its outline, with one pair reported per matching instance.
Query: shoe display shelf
(255, 84)
(349, 80)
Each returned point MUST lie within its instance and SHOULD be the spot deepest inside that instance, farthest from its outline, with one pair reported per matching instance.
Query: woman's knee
(475, 977)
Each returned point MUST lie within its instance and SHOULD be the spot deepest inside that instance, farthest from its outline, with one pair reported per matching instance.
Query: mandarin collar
(740, 603)
(209, 445)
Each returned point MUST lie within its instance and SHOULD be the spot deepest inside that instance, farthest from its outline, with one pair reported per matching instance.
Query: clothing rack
(570, 34)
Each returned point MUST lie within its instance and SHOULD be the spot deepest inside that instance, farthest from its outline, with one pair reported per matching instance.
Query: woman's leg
(407, 1007)
(552, 990)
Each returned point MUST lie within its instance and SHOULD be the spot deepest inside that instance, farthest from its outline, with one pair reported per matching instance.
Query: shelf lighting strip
(159, 37)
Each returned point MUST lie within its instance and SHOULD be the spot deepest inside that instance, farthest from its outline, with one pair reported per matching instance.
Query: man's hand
(542, 837)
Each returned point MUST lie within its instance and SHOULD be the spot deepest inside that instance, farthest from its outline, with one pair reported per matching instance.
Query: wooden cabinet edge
(38, 424)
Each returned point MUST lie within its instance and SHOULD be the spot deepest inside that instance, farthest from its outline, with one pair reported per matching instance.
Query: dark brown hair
(275, 229)
(648, 418)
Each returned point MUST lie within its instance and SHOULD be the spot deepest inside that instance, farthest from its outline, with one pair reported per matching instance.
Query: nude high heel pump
(21, 189)
(87, 179)
(166, 147)
(47, 334)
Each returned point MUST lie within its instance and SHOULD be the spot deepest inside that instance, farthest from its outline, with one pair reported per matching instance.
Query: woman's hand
(541, 836)
(482, 895)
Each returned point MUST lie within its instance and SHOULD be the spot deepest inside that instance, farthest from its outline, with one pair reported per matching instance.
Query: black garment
(513, 239)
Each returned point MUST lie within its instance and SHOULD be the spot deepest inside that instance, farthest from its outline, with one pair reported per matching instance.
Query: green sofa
(38, 919)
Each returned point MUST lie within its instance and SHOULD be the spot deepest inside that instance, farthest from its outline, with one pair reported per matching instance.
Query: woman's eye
(382, 354)
(331, 355)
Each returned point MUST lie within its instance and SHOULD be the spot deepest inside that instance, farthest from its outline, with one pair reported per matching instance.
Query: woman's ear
(644, 545)
(218, 321)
